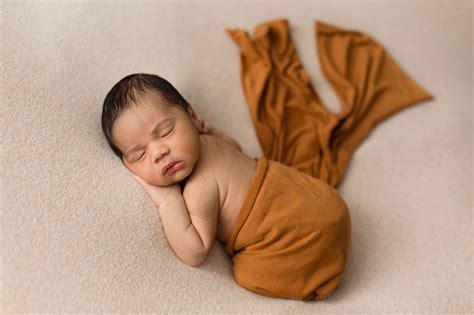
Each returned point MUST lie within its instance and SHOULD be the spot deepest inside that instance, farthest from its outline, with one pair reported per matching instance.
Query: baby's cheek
(157, 181)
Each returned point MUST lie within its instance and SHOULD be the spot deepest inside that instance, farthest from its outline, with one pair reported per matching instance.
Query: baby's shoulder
(212, 143)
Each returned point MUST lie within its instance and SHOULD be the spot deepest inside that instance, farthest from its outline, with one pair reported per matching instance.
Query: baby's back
(222, 164)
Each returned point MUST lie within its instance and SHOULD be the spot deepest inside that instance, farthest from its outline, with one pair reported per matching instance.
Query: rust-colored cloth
(292, 236)
(292, 125)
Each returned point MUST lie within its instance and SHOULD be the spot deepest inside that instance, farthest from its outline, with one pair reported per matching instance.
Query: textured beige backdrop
(79, 235)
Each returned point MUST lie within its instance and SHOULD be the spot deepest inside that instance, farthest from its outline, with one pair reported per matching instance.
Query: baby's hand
(204, 126)
(158, 194)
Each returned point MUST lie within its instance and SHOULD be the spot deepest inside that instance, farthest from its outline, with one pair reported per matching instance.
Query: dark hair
(124, 93)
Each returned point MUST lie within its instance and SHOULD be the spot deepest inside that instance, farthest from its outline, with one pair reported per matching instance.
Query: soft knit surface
(78, 234)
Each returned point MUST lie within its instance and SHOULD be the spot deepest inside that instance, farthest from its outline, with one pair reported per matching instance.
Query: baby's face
(152, 135)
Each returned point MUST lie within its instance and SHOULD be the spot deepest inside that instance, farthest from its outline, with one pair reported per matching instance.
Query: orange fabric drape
(292, 237)
(292, 125)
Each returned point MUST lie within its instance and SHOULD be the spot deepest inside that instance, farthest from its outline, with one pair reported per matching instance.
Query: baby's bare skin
(233, 171)
(197, 176)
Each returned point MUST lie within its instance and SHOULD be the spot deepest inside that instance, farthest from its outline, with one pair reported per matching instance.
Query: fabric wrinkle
(292, 236)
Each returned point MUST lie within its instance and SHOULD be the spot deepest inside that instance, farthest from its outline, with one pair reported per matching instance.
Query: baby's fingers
(147, 187)
(206, 126)
(137, 178)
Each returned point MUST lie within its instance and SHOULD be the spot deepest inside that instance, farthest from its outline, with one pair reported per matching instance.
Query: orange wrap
(292, 236)
(292, 125)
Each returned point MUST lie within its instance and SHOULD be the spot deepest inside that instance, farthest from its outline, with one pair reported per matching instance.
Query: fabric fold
(291, 123)
(370, 85)
(292, 236)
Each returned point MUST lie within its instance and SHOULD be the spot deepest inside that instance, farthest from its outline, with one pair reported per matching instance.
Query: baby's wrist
(174, 192)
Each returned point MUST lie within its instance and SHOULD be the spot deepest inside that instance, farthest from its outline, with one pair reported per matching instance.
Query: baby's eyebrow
(153, 130)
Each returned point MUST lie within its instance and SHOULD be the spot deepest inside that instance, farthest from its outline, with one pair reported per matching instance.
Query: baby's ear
(193, 114)
(201, 125)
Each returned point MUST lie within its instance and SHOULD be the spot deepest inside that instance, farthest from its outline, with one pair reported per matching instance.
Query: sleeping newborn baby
(289, 234)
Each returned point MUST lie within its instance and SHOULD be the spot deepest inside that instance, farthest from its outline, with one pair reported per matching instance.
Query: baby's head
(148, 125)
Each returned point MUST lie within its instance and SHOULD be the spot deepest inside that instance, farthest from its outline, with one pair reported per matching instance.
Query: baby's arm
(190, 223)
(202, 200)
(190, 226)
(179, 230)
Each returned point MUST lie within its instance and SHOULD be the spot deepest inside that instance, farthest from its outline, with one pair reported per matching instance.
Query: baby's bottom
(292, 236)
(268, 276)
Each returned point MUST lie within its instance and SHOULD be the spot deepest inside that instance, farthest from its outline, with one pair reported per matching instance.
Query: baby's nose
(159, 152)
